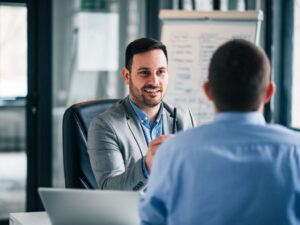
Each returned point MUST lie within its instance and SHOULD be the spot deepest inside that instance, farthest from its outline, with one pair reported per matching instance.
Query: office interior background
(45, 68)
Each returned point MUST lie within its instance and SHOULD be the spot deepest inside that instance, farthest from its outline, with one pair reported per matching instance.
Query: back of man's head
(142, 45)
(239, 74)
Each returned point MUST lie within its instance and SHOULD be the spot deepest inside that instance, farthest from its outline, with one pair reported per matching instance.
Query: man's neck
(151, 112)
(260, 109)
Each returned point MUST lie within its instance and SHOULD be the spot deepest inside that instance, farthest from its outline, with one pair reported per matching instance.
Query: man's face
(148, 79)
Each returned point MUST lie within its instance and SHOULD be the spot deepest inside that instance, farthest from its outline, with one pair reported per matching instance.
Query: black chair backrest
(76, 120)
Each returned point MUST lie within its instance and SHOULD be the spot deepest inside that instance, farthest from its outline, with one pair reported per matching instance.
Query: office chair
(76, 120)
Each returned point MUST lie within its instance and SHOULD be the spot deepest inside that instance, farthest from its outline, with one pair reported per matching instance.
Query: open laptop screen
(82, 207)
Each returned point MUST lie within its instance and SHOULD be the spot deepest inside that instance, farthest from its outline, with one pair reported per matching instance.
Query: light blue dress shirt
(151, 131)
(236, 170)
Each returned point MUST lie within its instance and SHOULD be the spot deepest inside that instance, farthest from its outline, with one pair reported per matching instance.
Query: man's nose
(154, 78)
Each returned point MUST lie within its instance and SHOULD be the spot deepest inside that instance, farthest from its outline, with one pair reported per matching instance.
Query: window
(13, 51)
(295, 117)
(13, 84)
(76, 75)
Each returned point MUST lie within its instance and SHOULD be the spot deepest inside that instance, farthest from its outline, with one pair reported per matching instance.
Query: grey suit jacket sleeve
(116, 162)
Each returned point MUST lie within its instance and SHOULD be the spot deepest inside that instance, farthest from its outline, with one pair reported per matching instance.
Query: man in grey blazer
(123, 140)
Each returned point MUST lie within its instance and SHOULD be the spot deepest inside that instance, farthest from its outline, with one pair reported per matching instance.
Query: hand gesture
(153, 145)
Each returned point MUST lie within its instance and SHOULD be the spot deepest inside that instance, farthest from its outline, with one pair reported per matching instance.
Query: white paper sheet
(98, 41)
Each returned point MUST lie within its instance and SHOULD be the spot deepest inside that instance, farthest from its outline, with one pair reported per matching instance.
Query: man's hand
(153, 145)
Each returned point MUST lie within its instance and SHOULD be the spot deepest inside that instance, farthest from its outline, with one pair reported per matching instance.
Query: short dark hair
(239, 73)
(142, 45)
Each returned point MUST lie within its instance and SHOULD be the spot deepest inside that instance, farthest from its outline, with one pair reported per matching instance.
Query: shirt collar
(240, 117)
(143, 116)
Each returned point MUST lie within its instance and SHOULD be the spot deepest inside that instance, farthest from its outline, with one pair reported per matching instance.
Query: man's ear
(270, 91)
(207, 90)
(125, 75)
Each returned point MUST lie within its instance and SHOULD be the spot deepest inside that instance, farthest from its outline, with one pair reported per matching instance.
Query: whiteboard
(191, 38)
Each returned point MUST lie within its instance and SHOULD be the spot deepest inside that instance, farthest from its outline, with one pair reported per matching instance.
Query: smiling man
(123, 140)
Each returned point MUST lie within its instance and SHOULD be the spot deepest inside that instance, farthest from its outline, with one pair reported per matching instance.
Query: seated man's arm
(115, 166)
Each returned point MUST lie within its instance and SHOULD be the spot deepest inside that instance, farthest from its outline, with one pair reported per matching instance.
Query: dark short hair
(142, 45)
(239, 73)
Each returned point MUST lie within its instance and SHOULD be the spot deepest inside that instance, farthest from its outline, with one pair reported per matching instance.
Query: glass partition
(13, 85)
(89, 41)
(295, 114)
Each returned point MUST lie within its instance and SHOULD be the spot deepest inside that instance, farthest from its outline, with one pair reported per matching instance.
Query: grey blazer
(116, 144)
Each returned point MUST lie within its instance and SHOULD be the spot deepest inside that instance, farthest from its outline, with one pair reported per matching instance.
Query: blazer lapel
(135, 128)
(138, 135)
(167, 122)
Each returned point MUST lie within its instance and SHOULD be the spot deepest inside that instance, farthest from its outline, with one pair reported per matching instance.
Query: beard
(148, 96)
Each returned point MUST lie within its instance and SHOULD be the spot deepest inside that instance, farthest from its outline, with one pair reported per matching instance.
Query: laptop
(90, 207)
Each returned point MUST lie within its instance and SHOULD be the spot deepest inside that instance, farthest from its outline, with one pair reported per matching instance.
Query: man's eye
(161, 72)
(144, 73)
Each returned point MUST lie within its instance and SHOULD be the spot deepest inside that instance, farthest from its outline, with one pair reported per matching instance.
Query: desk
(32, 218)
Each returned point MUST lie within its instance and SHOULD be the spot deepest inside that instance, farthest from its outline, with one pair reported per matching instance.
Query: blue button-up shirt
(151, 131)
(235, 170)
